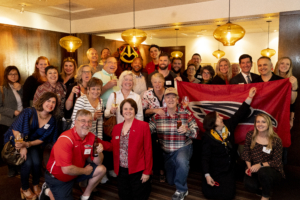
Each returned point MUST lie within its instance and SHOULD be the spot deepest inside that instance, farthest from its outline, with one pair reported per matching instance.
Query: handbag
(109, 123)
(10, 155)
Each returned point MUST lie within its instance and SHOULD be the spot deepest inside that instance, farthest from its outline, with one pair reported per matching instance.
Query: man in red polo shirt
(71, 160)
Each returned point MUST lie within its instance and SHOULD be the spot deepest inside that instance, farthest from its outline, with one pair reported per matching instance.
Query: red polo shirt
(68, 150)
(150, 67)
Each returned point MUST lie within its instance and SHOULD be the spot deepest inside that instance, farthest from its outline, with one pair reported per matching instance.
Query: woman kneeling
(263, 156)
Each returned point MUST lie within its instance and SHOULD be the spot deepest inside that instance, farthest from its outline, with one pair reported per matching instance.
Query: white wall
(33, 20)
(251, 44)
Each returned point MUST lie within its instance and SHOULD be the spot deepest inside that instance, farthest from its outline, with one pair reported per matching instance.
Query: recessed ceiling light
(184, 34)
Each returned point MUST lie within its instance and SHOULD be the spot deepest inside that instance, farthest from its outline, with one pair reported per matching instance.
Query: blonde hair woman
(263, 156)
(284, 68)
(223, 72)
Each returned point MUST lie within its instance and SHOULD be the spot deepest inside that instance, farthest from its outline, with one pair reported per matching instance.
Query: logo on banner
(225, 108)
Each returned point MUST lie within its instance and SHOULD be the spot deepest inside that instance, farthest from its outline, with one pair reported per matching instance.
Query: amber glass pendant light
(176, 54)
(268, 52)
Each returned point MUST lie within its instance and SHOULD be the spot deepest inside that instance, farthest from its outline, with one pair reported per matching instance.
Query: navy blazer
(238, 79)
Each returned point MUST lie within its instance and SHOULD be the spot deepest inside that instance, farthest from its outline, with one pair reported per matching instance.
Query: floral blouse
(124, 149)
(150, 100)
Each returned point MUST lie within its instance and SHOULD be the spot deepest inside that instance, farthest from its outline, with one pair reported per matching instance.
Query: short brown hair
(131, 102)
(208, 68)
(46, 96)
(163, 54)
(94, 82)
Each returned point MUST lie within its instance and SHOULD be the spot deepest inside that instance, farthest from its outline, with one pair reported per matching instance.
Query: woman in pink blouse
(263, 156)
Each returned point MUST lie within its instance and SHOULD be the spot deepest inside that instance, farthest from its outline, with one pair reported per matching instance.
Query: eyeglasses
(207, 73)
(13, 74)
(84, 122)
(86, 72)
(191, 69)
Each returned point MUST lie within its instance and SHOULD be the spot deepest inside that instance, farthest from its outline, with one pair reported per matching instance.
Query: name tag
(168, 82)
(266, 150)
(117, 137)
(241, 83)
(87, 151)
(199, 76)
(46, 126)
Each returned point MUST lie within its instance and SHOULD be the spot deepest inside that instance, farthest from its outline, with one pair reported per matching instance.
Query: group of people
(152, 127)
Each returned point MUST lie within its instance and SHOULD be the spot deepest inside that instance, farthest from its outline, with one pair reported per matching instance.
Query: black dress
(30, 86)
(68, 113)
(217, 80)
(219, 162)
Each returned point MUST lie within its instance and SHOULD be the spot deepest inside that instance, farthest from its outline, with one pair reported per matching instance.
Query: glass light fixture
(176, 54)
(134, 37)
(229, 33)
(70, 43)
(218, 53)
(268, 52)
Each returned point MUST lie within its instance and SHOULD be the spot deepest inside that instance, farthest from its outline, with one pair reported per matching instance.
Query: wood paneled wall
(22, 46)
(289, 45)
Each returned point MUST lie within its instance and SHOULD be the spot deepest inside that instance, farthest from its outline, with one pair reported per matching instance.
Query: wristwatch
(261, 165)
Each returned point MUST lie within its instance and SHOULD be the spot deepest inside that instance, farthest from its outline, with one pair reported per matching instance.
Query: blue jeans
(177, 165)
(32, 164)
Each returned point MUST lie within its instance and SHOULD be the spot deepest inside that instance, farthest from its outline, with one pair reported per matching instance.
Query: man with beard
(92, 56)
(141, 78)
(176, 68)
(196, 60)
(170, 76)
(73, 159)
(105, 53)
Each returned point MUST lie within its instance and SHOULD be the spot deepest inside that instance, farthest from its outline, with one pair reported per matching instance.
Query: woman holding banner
(218, 152)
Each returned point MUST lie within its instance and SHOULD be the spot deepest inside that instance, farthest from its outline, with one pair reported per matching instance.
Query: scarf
(224, 134)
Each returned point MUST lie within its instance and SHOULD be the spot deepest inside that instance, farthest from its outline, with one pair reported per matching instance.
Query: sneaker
(179, 195)
(104, 179)
(42, 195)
(112, 173)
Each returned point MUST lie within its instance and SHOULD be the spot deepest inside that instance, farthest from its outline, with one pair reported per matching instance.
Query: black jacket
(217, 80)
(238, 79)
(215, 159)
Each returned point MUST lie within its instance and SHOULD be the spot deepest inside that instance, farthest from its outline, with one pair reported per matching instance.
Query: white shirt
(245, 76)
(140, 84)
(18, 98)
(119, 99)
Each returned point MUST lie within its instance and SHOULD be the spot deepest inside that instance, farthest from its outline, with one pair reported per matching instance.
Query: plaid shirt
(166, 128)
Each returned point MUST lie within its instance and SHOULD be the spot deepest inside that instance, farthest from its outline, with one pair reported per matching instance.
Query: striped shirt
(166, 128)
(83, 103)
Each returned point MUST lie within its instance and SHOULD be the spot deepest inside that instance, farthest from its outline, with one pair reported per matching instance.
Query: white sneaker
(112, 173)
(104, 179)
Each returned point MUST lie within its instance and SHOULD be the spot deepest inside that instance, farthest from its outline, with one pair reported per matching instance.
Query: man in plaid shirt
(176, 143)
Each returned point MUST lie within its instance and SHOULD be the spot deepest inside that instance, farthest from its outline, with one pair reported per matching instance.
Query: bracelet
(250, 97)
(70, 99)
(294, 91)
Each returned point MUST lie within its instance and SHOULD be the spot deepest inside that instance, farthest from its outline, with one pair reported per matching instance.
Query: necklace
(42, 117)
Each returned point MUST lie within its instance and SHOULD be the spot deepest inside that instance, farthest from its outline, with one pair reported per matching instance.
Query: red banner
(272, 98)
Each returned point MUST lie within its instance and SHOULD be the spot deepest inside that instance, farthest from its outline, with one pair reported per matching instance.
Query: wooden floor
(161, 191)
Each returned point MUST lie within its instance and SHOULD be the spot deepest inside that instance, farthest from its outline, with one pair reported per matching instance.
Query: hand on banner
(294, 82)
(252, 92)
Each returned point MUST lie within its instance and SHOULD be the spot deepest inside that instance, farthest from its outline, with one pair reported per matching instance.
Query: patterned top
(166, 128)
(150, 100)
(256, 155)
(83, 103)
(59, 89)
(124, 149)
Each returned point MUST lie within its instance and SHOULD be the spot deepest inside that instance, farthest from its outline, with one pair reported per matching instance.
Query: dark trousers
(3, 129)
(130, 186)
(266, 177)
(108, 161)
(32, 164)
(157, 152)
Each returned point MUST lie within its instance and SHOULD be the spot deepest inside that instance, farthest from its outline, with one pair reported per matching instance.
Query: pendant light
(70, 43)
(176, 54)
(134, 37)
(219, 53)
(268, 52)
(229, 33)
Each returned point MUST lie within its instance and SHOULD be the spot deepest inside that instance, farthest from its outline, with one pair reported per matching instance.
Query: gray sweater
(8, 106)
